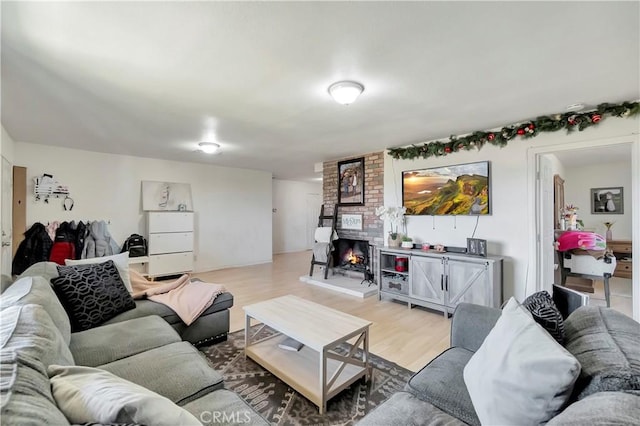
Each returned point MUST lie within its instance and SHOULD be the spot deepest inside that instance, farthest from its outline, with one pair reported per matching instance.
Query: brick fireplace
(372, 227)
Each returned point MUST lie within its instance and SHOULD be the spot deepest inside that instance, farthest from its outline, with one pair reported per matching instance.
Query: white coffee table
(316, 371)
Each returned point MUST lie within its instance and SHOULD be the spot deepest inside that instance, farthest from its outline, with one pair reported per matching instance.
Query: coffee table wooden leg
(323, 382)
(365, 355)
(247, 327)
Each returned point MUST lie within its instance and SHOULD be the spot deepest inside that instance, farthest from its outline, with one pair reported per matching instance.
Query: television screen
(463, 189)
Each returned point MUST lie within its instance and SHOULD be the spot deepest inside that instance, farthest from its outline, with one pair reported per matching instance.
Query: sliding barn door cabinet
(439, 280)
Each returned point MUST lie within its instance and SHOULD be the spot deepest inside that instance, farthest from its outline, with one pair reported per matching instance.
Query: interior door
(546, 236)
(314, 201)
(467, 282)
(5, 213)
(427, 279)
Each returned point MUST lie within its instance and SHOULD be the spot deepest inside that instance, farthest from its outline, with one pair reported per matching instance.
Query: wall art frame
(351, 182)
(607, 200)
(457, 189)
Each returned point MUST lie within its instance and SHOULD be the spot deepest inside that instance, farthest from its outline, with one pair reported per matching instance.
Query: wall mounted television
(462, 189)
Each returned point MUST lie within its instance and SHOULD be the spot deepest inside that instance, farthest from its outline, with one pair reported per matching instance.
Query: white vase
(407, 244)
(609, 235)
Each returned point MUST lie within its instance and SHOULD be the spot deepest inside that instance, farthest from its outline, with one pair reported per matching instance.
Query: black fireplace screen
(351, 254)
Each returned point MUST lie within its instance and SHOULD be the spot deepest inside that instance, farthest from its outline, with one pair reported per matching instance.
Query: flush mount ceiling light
(575, 107)
(345, 92)
(208, 147)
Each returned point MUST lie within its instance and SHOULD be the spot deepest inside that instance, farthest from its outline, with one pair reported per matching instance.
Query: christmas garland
(569, 121)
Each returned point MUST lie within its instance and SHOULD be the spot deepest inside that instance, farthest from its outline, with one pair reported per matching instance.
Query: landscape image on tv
(462, 189)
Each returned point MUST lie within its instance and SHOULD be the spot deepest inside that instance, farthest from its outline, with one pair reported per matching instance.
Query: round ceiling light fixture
(575, 107)
(345, 92)
(208, 147)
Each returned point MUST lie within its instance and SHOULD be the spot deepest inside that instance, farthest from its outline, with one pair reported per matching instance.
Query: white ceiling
(591, 156)
(152, 79)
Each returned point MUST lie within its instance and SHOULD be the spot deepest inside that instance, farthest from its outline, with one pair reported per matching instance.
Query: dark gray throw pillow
(92, 294)
(546, 313)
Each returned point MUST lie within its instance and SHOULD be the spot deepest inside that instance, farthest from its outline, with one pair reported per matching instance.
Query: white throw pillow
(120, 260)
(520, 374)
(91, 395)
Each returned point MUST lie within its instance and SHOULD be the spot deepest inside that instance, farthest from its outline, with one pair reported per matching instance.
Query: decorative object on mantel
(526, 129)
(395, 216)
(351, 221)
(609, 235)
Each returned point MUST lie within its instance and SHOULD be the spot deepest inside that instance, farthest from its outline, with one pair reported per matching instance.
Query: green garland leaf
(527, 129)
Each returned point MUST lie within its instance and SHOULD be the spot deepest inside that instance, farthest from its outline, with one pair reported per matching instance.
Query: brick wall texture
(372, 226)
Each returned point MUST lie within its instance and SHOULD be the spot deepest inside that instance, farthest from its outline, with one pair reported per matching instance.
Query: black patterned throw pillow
(546, 313)
(92, 294)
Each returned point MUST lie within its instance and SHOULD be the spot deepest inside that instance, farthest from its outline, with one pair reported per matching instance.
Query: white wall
(6, 145)
(232, 206)
(507, 229)
(6, 201)
(296, 208)
(577, 185)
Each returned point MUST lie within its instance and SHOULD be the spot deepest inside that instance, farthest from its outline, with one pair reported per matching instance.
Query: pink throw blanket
(188, 299)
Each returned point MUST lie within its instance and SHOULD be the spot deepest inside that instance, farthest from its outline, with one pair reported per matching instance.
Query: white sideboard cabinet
(439, 280)
(170, 239)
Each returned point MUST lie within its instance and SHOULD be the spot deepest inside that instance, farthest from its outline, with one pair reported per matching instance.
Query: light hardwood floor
(410, 338)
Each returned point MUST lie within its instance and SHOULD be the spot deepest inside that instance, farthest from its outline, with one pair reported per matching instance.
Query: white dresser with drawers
(170, 239)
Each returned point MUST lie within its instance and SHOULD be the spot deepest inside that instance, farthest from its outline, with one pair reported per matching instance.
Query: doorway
(541, 184)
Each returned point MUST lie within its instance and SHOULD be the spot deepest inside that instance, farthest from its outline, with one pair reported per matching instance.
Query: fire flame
(352, 258)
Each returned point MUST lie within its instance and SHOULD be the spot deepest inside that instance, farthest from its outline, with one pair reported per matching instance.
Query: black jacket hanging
(35, 248)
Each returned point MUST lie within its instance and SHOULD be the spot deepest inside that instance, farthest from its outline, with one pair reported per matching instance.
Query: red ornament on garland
(447, 149)
(595, 118)
(520, 132)
(491, 136)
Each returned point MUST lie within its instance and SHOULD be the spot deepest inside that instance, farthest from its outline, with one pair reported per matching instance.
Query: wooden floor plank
(410, 338)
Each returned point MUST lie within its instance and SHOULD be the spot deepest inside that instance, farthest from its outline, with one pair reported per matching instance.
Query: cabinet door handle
(446, 283)
(441, 282)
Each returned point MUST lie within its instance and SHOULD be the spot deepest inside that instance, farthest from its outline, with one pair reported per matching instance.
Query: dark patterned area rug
(281, 405)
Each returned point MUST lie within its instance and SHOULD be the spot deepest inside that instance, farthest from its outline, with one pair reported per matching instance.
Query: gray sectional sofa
(142, 347)
(607, 391)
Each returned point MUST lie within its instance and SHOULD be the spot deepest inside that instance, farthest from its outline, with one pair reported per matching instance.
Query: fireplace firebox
(351, 255)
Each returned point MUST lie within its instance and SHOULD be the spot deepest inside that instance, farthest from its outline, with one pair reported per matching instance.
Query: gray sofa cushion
(406, 408)
(147, 307)
(441, 383)
(46, 270)
(29, 329)
(223, 407)
(38, 291)
(177, 371)
(25, 393)
(112, 342)
(603, 408)
(607, 344)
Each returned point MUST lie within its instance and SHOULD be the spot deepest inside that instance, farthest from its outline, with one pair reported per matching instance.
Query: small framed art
(607, 200)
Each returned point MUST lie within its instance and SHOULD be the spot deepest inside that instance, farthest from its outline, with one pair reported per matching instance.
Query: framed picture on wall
(351, 182)
(607, 200)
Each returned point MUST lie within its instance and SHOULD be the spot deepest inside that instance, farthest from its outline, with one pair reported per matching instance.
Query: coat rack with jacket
(57, 241)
